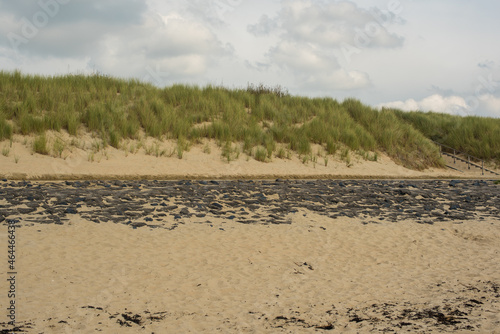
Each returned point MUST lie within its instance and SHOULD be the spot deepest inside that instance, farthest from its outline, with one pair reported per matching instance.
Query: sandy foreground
(314, 275)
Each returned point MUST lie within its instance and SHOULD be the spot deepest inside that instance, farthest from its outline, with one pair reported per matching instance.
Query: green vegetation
(260, 154)
(40, 145)
(400, 140)
(477, 136)
(5, 151)
(259, 121)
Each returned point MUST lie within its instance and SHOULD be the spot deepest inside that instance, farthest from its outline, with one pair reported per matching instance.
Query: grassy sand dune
(61, 116)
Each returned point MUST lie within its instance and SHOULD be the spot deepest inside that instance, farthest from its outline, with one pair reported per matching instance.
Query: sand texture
(255, 257)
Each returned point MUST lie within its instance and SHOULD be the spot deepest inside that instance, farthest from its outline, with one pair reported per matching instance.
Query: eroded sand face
(111, 163)
(311, 272)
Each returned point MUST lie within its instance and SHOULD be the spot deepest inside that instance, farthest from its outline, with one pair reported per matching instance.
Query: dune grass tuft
(40, 145)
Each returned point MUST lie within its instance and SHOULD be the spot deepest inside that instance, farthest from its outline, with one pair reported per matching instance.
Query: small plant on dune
(331, 147)
(16, 159)
(160, 153)
(226, 151)
(346, 157)
(149, 150)
(368, 156)
(229, 152)
(260, 154)
(180, 148)
(344, 153)
(326, 160)
(40, 145)
(270, 147)
(139, 145)
(128, 147)
(74, 142)
(155, 150)
(58, 147)
(98, 145)
(281, 154)
(5, 151)
(207, 149)
(114, 139)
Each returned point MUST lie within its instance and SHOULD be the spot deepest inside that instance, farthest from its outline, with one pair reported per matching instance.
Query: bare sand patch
(235, 278)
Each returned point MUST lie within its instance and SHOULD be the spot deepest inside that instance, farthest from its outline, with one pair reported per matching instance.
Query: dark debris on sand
(459, 313)
(165, 204)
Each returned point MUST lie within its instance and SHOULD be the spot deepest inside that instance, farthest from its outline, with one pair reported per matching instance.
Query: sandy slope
(20, 163)
(234, 278)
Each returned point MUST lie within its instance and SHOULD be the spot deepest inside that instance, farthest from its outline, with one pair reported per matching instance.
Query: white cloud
(331, 24)
(179, 48)
(485, 105)
(339, 79)
(176, 47)
(299, 57)
(264, 27)
(313, 33)
(315, 70)
(436, 102)
(489, 105)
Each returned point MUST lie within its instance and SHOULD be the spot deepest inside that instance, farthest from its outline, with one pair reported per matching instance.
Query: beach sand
(313, 275)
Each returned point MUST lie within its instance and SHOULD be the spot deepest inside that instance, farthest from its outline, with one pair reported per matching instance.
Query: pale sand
(255, 278)
(112, 163)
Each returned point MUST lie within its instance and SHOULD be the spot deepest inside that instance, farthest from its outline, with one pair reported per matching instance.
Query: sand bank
(112, 163)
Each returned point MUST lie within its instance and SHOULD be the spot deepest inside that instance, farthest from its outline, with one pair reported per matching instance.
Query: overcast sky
(440, 55)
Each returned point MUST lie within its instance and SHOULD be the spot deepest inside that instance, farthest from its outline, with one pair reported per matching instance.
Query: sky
(439, 55)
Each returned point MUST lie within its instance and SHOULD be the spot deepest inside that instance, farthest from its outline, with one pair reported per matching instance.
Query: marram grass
(263, 121)
(477, 136)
